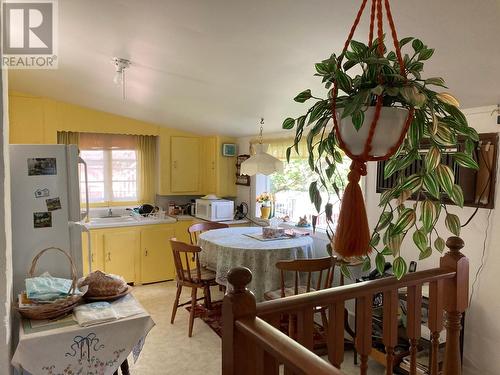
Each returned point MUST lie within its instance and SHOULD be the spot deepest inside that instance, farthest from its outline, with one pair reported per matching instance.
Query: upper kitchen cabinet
(219, 172)
(185, 165)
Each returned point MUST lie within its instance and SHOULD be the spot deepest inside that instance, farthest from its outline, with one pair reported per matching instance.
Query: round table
(227, 248)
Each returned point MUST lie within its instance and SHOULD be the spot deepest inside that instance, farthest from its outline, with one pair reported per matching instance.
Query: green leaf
(446, 178)
(465, 160)
(289, 123)
(417, 45)
(405, 221)
(367, 265)
(444, 135)
(436, 81)
(411, 183)
(345, 271)
(386, 197)
(457, 195)
(439, 244)
(303, 96)
(425, 253)
(431, 185)
(404, 41)
(315, 195)
(386, 251)
(380, 263)
(317, 111)
(428, 214)
(358, 47)
(420, 239)
(394, 243)
(357, 119)
(426, 53)
(322, 68)
(399, 267)
(384, 220)
(452, 223)
(375, 240)
(288, 153)
(432, 158)
(344, 82)
(391, 166)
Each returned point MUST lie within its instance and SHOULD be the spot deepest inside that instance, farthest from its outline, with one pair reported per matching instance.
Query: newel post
(456, 299)
(238, 303)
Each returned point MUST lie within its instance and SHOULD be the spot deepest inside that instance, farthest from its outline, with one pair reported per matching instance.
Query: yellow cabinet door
(120, 253)
(209, 153)
(181, 230)
(185, 168)
(157, 262)
(96, 251)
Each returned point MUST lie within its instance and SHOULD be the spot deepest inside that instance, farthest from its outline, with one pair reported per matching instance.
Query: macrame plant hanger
(352, 236)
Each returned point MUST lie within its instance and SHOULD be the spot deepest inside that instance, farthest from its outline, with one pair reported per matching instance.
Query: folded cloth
(47, 288)
(127, 306)
(94, 313)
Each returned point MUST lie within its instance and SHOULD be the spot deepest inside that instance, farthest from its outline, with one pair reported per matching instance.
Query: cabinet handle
(175, 164)
(92, 257)
(213, 165)
(109, 256)
(146, 252)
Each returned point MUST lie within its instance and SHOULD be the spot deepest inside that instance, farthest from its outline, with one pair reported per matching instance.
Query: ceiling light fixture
(119, 78)
(261, 162)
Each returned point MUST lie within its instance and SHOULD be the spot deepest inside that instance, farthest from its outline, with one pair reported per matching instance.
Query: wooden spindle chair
(301, 267)
(194, 277)
(196, 229)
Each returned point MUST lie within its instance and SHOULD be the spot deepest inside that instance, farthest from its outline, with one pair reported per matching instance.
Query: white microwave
(215, 209)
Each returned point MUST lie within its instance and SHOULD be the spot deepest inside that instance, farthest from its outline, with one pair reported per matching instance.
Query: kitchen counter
(125, 221)
(228, 222)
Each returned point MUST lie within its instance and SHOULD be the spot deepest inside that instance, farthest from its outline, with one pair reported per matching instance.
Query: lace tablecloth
(224, 249)
(63, 347)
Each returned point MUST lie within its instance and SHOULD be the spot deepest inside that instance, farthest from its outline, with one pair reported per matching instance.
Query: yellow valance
(278, 146)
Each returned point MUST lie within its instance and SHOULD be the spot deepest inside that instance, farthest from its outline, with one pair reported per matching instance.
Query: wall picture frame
(228, 149)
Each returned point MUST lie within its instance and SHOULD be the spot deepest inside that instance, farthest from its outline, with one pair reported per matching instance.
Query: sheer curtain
(146, 163)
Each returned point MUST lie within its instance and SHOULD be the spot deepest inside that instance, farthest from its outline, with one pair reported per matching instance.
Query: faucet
(110, 212)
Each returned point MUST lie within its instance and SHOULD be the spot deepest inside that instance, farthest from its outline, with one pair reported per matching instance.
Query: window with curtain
(291, 188)
(120, 167)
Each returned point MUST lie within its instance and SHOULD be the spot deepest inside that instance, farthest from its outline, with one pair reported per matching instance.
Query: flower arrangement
(264, 199)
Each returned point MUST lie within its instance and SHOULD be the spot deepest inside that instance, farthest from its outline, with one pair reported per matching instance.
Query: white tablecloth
(64, 347)
(224, 249)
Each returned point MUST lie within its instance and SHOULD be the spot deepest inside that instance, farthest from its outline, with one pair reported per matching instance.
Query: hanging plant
(384, 109)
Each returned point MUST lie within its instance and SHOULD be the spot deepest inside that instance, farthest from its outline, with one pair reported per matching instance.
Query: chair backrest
(196, 229)
(322, 266)
(184, 267)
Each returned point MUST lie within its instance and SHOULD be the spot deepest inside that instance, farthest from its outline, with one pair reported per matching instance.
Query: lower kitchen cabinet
(140, 254)
(156, 254)
(121, 250)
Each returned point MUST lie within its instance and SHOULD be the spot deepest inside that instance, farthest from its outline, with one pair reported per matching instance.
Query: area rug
(213, 318)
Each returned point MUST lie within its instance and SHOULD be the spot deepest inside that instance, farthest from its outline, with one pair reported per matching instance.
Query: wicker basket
(102, 285)
(58, 308)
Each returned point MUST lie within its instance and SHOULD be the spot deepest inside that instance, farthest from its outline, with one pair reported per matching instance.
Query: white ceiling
(216, 66)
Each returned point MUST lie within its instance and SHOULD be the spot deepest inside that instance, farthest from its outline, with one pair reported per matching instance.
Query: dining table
(224, 249)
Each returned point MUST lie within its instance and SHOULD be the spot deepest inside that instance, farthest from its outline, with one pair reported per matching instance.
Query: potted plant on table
(265, 199)
(385, 109)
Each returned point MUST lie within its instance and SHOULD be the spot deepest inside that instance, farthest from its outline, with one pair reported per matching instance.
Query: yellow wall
(36, 120)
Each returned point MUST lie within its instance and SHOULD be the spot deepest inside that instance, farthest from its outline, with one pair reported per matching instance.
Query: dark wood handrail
(351, 291)
(298, 359)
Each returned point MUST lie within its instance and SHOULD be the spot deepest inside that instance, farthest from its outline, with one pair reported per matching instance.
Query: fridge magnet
(229, 149)
(41, 193)
(42, 166)
(42, 219)
(53, 204)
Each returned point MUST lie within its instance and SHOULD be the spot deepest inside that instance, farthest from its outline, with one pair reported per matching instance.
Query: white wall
(482, 335)
(5, 234)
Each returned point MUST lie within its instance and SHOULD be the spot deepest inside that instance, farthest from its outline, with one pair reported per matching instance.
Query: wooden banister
(253, 346)
(456, 301)
(346, 292)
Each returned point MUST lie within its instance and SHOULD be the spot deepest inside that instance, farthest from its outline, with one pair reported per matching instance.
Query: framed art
(229, 149)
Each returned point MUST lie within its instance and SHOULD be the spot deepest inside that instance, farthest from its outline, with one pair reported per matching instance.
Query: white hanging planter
(390, 125)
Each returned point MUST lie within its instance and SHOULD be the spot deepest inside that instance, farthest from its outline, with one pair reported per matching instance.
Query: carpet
(213, 318)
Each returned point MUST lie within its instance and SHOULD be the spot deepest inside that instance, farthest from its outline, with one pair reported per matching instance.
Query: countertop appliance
(214, 209)
(45, 196)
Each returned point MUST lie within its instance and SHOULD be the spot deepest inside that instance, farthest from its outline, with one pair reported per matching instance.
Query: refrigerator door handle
(87, 208)
(89, 241)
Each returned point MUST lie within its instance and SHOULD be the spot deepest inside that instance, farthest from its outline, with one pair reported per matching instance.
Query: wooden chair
(321, 266)
(196, 229)
(194, 278)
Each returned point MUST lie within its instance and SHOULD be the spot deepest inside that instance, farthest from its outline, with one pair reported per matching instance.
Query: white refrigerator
(46, 209)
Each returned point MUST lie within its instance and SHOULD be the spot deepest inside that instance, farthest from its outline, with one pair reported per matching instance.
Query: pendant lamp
(261, 162)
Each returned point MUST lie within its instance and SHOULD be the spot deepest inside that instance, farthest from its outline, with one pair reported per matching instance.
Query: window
(112, 175)
(291, 192)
